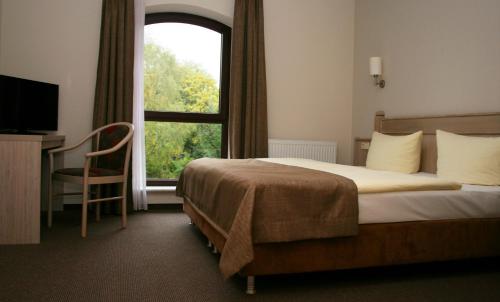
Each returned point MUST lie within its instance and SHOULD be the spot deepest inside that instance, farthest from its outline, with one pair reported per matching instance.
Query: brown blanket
(255, 202)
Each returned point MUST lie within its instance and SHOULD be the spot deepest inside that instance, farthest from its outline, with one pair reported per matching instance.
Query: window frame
(221, 117)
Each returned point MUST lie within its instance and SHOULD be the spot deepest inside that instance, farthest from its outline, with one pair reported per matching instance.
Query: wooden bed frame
(383, 243)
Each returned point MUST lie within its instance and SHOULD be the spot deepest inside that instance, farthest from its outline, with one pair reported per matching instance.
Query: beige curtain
(115, 70)
(248, 95)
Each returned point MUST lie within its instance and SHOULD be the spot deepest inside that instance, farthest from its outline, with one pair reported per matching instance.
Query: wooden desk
(21, 176)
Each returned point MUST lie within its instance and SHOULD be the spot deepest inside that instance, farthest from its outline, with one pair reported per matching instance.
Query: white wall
(440, 57)
(220, 10)
(55, 41)
(309, 61)
(1, 28)
(309, 47)
(309, 53)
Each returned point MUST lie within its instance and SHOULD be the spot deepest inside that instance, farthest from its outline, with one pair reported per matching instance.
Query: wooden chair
(114, 142)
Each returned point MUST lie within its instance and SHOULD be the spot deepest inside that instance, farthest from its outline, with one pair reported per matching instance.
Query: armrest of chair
(67, 148)
(62, 149)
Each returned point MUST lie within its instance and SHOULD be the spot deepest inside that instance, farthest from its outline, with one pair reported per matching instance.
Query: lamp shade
(375, 66)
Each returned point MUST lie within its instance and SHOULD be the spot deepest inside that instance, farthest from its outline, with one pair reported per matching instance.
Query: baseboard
(152, 207)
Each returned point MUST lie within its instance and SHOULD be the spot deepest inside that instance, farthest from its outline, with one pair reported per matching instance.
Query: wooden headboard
(481, 124)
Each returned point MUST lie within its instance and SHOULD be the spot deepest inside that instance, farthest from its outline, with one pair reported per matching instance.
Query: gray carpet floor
(160, 257)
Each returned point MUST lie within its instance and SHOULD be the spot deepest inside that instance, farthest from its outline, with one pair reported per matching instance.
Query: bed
(387, 237)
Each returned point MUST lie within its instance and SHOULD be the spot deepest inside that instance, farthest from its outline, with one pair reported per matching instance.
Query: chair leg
(124, 206)
(49, 204)
(98, 211)
(250, 285)
(98, 204)
(124, 213)
(85, 209)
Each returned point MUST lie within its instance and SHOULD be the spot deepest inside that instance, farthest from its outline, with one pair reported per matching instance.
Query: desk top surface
(31, 138)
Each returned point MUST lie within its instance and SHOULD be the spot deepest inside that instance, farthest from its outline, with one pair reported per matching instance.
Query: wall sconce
(376, 71)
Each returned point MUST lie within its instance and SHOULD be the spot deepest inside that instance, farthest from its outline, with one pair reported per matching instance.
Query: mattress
(471, 201)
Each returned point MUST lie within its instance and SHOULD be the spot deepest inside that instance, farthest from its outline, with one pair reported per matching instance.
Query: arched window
(186, 87)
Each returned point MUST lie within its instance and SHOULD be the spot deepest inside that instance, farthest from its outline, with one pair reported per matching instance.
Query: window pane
(182, 65)
(170, 146)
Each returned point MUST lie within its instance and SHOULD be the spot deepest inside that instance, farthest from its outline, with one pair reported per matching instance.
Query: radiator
(318, 150)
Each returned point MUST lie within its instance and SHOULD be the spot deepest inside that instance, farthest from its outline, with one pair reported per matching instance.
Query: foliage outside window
(185, 106)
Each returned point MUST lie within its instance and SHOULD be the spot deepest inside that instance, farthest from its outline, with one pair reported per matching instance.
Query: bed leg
(251, 285)
(209, 244)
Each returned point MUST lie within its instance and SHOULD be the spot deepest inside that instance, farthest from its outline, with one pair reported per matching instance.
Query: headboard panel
(482, 124)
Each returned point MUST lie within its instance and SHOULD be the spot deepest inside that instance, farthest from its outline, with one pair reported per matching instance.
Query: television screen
(27, 105)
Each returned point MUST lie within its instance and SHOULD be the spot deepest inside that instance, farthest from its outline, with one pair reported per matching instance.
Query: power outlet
(364, 145)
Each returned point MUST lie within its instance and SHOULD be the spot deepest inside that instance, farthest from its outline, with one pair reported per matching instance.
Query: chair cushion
(93, 172)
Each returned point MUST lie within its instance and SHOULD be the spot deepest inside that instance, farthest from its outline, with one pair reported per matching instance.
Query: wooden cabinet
(21, 174)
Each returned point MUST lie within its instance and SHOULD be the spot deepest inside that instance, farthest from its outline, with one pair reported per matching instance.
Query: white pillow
(395, 153)
(468, 159)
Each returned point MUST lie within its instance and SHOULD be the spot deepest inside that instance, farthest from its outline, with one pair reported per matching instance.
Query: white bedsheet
(372, 181)
(471, 201)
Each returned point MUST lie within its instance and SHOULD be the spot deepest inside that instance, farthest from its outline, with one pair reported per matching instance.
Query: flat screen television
(27, 106)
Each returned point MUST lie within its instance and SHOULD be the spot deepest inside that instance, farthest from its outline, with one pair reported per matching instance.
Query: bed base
(380, 244)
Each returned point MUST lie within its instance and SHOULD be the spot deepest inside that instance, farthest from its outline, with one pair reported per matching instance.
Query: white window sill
(160, 189)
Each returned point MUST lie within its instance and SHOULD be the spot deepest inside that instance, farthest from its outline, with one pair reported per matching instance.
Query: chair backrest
(109, 136)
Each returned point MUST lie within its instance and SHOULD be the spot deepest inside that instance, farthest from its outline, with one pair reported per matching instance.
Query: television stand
(24, 176)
